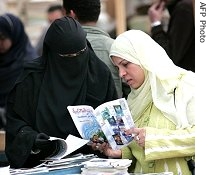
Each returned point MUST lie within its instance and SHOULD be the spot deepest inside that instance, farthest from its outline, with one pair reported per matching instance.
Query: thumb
(130, 131)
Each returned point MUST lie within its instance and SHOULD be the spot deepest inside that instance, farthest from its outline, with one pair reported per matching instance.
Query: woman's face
(132, 73)
(5, 44)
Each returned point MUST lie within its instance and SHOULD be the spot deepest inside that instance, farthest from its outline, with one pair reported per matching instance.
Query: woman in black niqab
(68, 73)
(13, 58)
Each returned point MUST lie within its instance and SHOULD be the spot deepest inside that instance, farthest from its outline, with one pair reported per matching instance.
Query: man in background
(54, 11)
(179, 40)
(87, 13)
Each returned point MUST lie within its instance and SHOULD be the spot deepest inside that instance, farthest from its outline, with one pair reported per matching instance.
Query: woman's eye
(125, 64)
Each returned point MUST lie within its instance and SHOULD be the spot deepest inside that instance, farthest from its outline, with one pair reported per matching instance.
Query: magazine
(65, 147)
(106, 123)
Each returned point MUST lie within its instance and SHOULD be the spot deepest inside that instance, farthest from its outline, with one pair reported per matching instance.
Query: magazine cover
(86, 123)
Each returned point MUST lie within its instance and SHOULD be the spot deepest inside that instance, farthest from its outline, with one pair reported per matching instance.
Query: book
(64, 146)
(106, 123)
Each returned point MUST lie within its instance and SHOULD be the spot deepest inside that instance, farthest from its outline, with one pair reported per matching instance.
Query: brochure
(106, 123)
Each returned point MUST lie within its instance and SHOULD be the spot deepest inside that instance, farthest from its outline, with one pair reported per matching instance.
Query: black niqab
(65, 79)
(39, 101)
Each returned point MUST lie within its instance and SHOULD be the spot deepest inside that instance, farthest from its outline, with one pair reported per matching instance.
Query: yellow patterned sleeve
(166, 143)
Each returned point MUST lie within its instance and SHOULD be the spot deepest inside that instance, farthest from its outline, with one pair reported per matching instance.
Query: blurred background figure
(179, 40)
(3, 7)
(15, 48)
(54, 11)
(139, 20)
(105, 20)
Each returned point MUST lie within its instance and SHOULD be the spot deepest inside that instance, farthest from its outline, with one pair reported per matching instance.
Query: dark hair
(54, 7)
(85, 10)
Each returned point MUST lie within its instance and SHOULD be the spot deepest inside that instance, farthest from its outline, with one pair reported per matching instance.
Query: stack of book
(71, 165)
(100, 166)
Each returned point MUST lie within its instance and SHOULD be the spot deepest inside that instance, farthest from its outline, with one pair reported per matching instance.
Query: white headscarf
(172, 88)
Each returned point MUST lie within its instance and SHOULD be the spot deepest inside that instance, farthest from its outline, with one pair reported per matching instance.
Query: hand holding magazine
(104, 124)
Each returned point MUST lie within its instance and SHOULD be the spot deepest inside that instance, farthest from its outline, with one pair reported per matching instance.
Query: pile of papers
(99, 166)
(73, 163)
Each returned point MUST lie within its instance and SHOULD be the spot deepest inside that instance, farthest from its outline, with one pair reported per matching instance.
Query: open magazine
(65, 147)
(104, 124)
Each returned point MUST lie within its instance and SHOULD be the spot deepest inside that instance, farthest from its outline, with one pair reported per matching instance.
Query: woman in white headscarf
(161, 103)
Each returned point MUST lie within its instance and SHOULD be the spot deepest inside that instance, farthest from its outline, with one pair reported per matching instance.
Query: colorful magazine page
(106, 123)
(114, 117)
(86, 123)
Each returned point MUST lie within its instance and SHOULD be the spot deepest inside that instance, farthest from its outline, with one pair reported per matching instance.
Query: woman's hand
(106, 149)
(98, 146)
(139, 135)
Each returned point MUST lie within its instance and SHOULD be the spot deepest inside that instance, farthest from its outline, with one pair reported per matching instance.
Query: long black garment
(11, 62)
(39, 101)
(179, 40)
